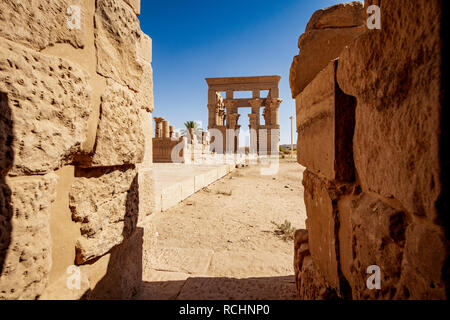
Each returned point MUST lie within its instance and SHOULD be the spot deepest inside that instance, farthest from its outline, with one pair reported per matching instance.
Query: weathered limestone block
(145, 48)
(147, 194)
(144, 97)
(25, 246)
(321, 204)
(147, 129)
(147, 204)
(136, 5)
(310, 284)
(342, 15)
(106, 203)
(117, 35)
(395, 75)
(301, 250)
(39, 24)
(325, 126)
(120, 137)
(313, 286)
(424, 255)
(328, 32)
(377, 238)
(48, 100)
(6, 136)
(123, 277)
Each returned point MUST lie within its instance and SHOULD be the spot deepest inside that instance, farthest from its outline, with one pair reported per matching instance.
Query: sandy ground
(220, 242)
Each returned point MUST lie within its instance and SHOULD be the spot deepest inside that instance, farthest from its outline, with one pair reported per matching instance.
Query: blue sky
(197, 39)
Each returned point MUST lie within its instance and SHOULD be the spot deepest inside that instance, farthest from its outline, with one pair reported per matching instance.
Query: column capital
(158, 119)
(255, 103)
(230, 103)
(253, 120)
(273, 102)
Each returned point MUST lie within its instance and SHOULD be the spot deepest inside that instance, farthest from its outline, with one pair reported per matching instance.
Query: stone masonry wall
(75, 133)
(369, 133)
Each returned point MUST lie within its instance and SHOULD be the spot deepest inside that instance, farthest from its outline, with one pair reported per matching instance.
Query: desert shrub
(285, 230)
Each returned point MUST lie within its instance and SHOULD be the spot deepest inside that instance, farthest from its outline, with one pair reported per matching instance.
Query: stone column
(221, 116)
(256, 105)
(273, 129)
(255, 124)
(274, 106)
(232, 120)
(212, 115)
(171, 129)
(158, 127)
(166, 129)
(231, 110)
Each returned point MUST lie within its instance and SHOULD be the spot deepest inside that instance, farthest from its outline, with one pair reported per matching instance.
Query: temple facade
(223, 119)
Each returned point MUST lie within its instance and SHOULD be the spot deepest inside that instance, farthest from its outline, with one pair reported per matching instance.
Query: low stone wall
(369, 133)
(170, 149)
(76, 98)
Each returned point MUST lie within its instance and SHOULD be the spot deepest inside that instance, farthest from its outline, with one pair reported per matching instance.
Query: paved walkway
(219, 243)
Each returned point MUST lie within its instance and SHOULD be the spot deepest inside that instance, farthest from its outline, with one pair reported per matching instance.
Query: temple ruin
(83, 171)
(170, 147)
(223, 115)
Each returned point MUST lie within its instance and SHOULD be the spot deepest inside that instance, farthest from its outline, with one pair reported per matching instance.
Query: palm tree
(192, 125)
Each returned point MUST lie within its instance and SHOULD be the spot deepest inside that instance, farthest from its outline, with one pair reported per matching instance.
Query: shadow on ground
(220, 288)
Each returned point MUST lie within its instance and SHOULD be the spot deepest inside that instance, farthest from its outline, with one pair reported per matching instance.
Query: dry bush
(225, 193)
(285, 230)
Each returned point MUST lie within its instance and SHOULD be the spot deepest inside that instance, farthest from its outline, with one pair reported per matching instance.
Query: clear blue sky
(196, 39)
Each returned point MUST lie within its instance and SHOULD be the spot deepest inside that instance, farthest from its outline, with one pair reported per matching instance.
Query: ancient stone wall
(369, 133)
(76, 98)
(169, 147)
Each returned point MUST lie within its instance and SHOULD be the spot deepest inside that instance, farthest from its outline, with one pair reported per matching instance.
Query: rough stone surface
(392, 215)
(105, 201)
(424, 255)
(325, 125)
(342, 15)
(136, 5)
(394, 73)
(378, 238)
(144, 97)
(120, 137)
(71, 105)
(26, 246)
(117, 35)
(321, 206)
(327, 33)
(145, 48)
(38, 24)
(124, 275)
(313, 286)
(48, 100)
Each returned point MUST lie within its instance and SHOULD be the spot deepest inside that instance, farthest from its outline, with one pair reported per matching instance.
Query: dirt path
(220, 242)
